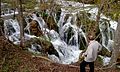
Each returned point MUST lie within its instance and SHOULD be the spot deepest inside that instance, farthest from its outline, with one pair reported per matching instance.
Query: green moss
(26, 69)
(5, 68)
(11, 64)
(99, 61)
(105, 52)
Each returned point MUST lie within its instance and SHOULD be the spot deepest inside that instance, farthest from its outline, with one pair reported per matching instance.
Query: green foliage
(29, 4)
(110, 8)
(11, 64)
(44, 14)
(83, 19)
(105, 52)
(99, 60)
(6, 1)
(26, 69)
(10, 3)
(113, 10)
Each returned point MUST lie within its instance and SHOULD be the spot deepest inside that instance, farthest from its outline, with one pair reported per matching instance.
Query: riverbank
(15, 59)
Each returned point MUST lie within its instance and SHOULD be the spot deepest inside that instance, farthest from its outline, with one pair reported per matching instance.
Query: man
(90, 55)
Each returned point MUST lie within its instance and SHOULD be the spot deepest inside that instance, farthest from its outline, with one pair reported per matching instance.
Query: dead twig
(3, 61)
(43, 58)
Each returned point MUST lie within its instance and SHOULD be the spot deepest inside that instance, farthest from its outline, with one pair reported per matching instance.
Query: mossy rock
(51, 23)
(35, 28)
(105, 52)
(44, 6)
(46, 45)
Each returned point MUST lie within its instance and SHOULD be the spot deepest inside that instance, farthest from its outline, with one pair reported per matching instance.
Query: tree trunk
(116, 48)
(21, 23)
(1, 23)
(1, 27)
(14, 7)
(0, 8)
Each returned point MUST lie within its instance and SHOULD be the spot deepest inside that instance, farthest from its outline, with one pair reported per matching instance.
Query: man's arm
(99, 48)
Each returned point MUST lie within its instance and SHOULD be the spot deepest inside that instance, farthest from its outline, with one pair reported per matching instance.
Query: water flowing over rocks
(66, 35)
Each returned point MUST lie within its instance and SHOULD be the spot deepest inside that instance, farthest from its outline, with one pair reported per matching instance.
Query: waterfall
(12, 31)
(39, 20)
(67, 41)
(107, 29)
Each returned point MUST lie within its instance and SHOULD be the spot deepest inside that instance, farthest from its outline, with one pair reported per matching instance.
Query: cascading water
(107, 29)
(68, 53)
(67, 44)
(12, 31)
(67, 40)
(39, 20)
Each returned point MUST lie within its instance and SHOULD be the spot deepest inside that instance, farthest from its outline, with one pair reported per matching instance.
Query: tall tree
(116, 49)
(21, 23)
(1, 22)
(0, 8)
(14, 5)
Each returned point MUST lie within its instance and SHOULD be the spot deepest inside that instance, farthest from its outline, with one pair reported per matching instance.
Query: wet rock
(105, 52)
(47, 47)
(51, 24)
(35, 28)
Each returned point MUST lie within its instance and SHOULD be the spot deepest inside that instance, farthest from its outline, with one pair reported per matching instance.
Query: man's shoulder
(97, 42)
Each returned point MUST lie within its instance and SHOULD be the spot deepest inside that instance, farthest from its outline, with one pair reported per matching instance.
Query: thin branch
(0, 8)
(4, 60)
(45, 58)
(108, 67)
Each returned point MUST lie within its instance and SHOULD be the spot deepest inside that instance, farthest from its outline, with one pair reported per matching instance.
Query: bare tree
(0, 8)
(116, 49)
(21, 23)
(106, 8)
(14, 5)
(1, 23)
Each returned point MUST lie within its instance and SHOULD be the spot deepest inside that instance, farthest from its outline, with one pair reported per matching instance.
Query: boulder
(47, 47)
